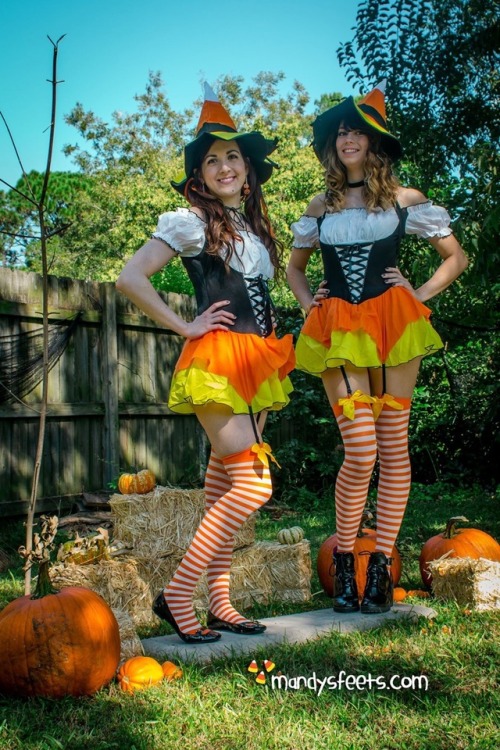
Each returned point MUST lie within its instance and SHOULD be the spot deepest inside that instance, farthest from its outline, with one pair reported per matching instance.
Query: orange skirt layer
(245, 361)
(385, 319)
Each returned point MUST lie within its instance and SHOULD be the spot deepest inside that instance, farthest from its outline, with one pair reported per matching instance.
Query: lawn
(221, 707)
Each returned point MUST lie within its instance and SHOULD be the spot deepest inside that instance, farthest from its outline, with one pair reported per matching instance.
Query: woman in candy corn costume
(366, 329)
(233, 368)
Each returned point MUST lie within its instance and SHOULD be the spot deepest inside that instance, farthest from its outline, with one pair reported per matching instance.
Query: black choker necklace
(361, 183)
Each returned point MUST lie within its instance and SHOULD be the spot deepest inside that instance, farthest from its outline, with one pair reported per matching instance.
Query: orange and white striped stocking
(250, 489)
(217, 483)
(395, 472)
(353, 479)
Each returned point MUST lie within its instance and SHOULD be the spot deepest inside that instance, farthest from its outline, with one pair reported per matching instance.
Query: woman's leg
(217, 483)
(250, 488)
(392, 441)
(355, 420)
(393, 387)
(358, 436)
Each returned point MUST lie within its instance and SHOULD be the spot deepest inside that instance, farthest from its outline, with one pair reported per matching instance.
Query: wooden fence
(107, 394)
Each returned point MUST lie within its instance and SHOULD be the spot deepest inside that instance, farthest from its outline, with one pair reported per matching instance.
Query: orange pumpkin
(138, 673)
(171, 671)
(140, 483)
(365, 542)
(399, 594)
(55, 644)
(457, 543)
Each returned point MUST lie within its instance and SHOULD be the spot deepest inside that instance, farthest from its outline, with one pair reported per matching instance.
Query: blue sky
(111, 45)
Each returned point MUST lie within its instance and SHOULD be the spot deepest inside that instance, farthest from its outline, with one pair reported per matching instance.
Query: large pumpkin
(457, 543)
(139, 483)
(365, 542)
(57, 644)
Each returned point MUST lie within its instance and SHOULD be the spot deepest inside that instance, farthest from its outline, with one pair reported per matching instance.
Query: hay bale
(263, 572)
(472, 583)
(250, 581)
(118, 582)
(163, 522)
(130, 643)
(289, 568)
(158, 572)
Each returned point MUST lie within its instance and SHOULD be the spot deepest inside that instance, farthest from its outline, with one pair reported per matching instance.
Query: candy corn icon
(269, 665)
(261, 678)
(252, 667)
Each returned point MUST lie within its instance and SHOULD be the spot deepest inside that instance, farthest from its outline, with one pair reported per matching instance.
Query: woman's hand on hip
(215, 318)
(394, 277)
(321, 293)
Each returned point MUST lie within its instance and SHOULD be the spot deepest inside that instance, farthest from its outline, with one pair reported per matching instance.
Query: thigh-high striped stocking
(251, 489)
(217, 483)
(395, 472)
(353, 479)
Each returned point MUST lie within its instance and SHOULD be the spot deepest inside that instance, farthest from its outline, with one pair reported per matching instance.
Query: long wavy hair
(221, 233)
(381, 184)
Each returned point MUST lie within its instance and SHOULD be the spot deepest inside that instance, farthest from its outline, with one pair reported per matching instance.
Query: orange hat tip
(382, 85)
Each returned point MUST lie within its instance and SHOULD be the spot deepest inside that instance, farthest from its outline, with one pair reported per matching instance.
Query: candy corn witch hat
(215, 122)
(368, 113)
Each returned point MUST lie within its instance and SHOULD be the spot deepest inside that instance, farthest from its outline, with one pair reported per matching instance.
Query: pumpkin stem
(450, 531)
(367, 516)
(44, 584)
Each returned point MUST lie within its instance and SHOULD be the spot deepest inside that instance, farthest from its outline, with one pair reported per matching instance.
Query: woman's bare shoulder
(316, 207)
(410, 197)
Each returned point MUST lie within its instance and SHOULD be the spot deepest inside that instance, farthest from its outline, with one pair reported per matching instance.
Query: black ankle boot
(379, 587)
(345, 590)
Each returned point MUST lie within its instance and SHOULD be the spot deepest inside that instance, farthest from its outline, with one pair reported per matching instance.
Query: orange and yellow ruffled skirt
(241, 370)
(390, 329)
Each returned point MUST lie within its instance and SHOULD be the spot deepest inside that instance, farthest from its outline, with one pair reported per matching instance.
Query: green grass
(220, 706)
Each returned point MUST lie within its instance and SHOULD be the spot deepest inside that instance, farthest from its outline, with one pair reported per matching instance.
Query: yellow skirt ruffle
(390, 330)
(240, 370)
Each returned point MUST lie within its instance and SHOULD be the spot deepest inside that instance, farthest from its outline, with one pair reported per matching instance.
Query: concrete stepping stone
(298, 628)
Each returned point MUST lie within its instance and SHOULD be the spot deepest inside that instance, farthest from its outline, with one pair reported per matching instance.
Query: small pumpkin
(171, 671)
(399, 594)
(140, 483)
(138, 673)
(290, 536)
(365, 542)
(455, 542)
(56, 643)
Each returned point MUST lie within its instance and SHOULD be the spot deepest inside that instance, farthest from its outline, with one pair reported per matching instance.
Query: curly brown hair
(381, 184)
(220, 232)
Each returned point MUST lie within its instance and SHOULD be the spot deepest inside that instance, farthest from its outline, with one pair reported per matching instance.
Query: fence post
(111, 438)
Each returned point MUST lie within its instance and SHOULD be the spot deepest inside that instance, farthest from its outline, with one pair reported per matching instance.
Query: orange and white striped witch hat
(367, 114)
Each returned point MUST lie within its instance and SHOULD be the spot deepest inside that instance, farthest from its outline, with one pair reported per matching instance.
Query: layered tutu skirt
(240, 370)
(390, 329)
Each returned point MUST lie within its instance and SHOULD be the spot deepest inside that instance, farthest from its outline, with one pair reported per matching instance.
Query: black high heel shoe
(161, 610)
(248, 627)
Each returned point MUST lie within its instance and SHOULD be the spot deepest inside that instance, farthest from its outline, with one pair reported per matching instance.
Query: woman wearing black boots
(367, 329)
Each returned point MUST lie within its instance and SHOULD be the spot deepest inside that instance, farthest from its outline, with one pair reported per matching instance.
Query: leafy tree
(19, 230)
